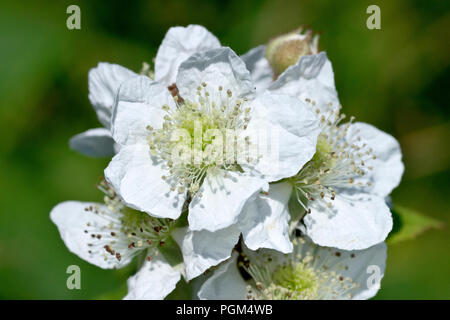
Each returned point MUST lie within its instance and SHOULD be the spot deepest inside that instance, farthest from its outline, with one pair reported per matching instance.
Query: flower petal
(104, 81)
(93, 143)
(72, 219)
(137, 178)
(284, 131)
(265, 220)
(216, 67)
(138, 105)
(260, 70)
(354, 222)
(204, 249)
(225, 284)
(388, 166)
(154, 281)
(178, 44)
(310, 78)
(224, 195)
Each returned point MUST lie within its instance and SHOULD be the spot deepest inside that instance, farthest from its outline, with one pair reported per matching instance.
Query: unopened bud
(285, 50)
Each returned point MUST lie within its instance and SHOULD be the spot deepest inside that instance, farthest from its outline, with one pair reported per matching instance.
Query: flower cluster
(240, 175)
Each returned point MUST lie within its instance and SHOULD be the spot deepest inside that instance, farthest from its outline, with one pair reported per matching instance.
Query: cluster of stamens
(297, 276)
(337, 163)
(124, 232)
(194, 137)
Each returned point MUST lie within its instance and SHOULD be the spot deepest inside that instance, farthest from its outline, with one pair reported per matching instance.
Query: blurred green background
(396, 78)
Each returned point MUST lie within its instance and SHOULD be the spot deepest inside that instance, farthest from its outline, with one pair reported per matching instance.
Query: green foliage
(409, 224)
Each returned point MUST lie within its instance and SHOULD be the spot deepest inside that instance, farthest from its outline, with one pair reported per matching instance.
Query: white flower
(216, 93)
(343, 187)
(104, 81)
(309, 272)
(109, 236)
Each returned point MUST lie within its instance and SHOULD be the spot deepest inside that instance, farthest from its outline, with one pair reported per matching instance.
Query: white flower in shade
(310, 272)
(215, 97)
(104, 81)
(109, 235)
(267, 62)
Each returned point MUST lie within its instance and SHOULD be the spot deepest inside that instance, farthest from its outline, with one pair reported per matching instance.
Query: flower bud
(285, 50)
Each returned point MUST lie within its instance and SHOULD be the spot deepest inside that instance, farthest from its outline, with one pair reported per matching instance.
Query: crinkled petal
(224, 195)
(204, 249)
(138, 105)
(353, 222)
(95, 143)
(217, 67)
(260, 70)
(265, 220)
(137, 178)
(283, 133)
(387, 166)
(154, 281)
(310, 78)
(226, 283)
(104, 81)
(178, 45)
(72, 219)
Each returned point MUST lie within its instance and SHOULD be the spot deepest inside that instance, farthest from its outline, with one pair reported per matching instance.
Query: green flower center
(198, 136)
(295, 281)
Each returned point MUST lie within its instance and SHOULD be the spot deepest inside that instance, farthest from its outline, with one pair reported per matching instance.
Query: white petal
(137, 178)
(310, 78)
(353, 222)
(154, 281)
(104, 81)
(265, 220)
(388, 166)
(178, 44)
(285, 133)
(223, 198)
(93, 143)
(217, 67)
(225, 284)
(71, 218)
(260, 70)
(204, 249)
(138, 105)
(367, 269)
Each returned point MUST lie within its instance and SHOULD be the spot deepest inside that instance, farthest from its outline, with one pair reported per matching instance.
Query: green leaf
(409, 224)
(117, 294)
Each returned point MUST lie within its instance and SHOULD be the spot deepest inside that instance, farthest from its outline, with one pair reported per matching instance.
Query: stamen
(336, 164)
(302, 275)
(189, 132)
(126, 232)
